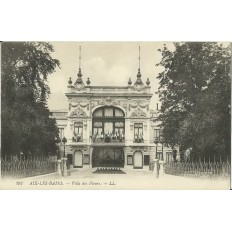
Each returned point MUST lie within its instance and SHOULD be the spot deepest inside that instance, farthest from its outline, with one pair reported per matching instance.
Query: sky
(105, 63)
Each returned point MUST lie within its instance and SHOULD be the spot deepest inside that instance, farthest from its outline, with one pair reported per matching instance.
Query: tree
(26, 125)
(195, 94)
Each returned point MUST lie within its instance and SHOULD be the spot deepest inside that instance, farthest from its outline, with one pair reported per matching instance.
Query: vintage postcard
(116, 115)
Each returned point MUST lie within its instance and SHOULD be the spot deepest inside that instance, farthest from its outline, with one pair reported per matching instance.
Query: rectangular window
(78, 129)
(119, 128)
(138, 131)
(156, 133)
(108, 127)
(129, 160)
(97, 130)
(159, 155)
(61, 133)
(168, 157)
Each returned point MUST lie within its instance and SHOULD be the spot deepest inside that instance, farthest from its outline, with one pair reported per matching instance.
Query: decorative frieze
(108, 102)
(78, 113)
(138, 104)
(78, 103)
(138, 113)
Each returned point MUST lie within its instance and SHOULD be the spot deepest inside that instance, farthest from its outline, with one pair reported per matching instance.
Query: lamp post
(156, 163)
(64, 140)
(156, 142)
(57, 141)
(59, 168)
(162, 142)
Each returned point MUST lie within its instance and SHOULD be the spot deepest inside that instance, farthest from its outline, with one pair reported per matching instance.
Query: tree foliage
(26, 126)
(195, 95)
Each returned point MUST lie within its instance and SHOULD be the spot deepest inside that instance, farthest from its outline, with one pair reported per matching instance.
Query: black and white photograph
(115, 115)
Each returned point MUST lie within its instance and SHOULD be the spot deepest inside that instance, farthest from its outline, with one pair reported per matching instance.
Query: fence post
(59, 170)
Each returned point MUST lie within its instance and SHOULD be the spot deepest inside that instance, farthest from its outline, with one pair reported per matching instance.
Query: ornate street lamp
(156, 142)
(57, 141)
(64, 140)
(64, 168)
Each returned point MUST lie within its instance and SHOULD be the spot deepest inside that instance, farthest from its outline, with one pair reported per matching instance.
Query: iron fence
(199, 169)
(26, 168)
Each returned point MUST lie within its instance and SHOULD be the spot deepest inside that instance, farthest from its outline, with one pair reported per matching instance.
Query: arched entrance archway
(108, 134)
(78, 159)
(138, 159)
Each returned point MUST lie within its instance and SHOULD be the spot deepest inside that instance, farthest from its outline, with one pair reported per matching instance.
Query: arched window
(108, 122)
(108, 112)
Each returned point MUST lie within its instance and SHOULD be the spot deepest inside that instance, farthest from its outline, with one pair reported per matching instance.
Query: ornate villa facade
(110, 126)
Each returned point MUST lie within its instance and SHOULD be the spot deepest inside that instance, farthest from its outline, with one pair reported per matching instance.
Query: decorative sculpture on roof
(79, 84)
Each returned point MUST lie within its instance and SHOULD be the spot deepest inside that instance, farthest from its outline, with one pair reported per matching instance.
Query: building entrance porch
(107, 157)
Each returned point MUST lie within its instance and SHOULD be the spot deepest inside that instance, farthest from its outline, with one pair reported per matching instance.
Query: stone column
(128, 132)
(59, 167)
(88, 131)
(156, 171)
(65, 171)
(161, 172)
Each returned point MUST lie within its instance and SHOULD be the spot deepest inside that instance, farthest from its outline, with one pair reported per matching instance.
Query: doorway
(108, 157)
(138, 159)
(78, 159)
(146, 160)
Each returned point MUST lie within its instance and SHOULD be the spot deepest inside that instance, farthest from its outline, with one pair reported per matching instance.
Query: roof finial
(139, 81)
(79, 57)
(79, 80)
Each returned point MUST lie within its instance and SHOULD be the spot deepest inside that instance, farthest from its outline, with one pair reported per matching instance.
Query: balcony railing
(107, 139)
(139, 140)
(77, 139)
